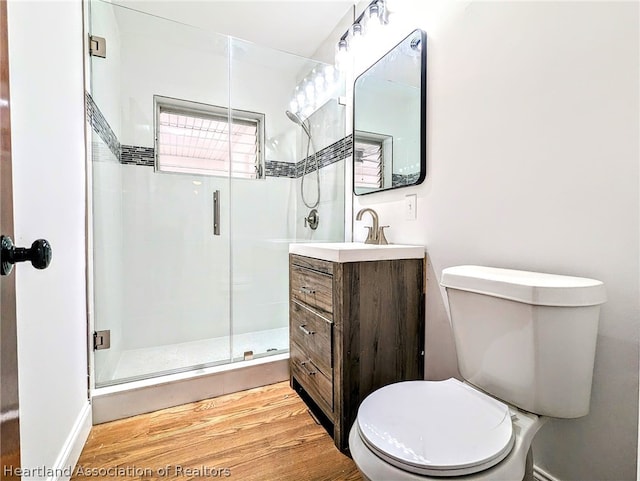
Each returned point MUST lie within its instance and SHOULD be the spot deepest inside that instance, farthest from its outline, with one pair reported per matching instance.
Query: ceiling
(296, 26)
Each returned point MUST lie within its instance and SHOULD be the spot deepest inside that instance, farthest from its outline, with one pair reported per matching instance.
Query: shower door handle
(216, 212)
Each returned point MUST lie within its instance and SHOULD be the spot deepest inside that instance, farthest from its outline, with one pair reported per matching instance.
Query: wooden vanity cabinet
(354, 327)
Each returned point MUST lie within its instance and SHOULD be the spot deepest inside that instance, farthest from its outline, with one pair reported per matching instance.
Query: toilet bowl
(525, 343)
(472, 435)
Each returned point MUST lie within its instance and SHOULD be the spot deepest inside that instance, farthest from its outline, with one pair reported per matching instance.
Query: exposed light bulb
(355, 39)
(356, 46)
(331, 79)
(356, 33)
(329, 72)
(319, 81)
(310, 92)
(342, 54)
(373, 13)
(373, 19)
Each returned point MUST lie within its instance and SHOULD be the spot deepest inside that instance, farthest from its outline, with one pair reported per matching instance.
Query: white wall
(532, 132)
(47, 117)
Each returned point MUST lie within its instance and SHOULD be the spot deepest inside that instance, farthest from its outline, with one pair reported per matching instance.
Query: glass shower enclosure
(195, 194)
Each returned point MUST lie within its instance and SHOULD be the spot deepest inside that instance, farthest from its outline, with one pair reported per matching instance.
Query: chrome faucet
(376, 233)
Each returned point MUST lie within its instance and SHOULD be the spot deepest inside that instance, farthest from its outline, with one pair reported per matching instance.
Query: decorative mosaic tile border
(100, 125)
(275, 168)
(333, 153)
(145, 156)
(135, 155)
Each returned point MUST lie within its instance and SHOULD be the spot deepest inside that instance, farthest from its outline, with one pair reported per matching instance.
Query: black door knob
(39, 254)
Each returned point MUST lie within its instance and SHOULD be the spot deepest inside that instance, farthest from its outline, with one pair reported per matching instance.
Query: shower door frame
(225, 212)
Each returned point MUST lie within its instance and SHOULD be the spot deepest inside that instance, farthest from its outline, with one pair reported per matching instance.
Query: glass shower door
(161, 275)
(264, 210)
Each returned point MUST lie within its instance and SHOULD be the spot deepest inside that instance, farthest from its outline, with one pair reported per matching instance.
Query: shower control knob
(39, 254)
(312, 219)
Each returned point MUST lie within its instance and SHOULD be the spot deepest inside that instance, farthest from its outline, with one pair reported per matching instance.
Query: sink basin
(356, 251)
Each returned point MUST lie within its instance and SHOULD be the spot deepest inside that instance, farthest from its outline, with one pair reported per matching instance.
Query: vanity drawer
(319, 386)
(319, 265)
(313, 289)
(313, 334)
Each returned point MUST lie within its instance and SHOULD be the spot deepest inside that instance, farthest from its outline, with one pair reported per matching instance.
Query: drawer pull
(306, 290)
(305, 330)
(303, 364)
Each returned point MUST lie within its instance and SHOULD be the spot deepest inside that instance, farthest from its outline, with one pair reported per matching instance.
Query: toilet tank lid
(534, 288)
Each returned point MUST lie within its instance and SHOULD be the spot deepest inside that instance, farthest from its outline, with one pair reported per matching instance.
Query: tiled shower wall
(145, 156)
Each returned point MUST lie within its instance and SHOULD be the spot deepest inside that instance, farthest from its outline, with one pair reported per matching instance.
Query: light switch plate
(411, 204)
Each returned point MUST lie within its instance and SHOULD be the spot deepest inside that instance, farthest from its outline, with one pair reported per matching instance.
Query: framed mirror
(389, 119)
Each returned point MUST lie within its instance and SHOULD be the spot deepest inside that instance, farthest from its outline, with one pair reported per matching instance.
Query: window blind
(196, 142)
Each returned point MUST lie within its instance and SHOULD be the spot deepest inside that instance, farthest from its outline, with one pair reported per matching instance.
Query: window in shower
(196, 138)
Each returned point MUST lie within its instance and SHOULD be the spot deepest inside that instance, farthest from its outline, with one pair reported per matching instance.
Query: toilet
(525, 343)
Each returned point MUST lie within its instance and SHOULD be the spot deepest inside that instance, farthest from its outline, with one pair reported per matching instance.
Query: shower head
(296, 119)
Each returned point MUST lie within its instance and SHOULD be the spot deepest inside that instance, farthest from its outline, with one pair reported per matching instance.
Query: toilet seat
(436, 428)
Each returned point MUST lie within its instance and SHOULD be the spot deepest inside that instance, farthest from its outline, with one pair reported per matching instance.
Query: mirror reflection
(389, 101)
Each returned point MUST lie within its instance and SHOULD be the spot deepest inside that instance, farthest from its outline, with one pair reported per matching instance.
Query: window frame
(213, 112)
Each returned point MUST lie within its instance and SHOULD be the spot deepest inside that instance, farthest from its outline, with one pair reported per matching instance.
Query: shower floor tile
(151, 360)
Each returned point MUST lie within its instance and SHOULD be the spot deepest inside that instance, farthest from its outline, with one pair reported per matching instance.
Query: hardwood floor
(263, 434)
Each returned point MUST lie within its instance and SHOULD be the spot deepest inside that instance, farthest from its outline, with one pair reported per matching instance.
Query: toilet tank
(526, 338)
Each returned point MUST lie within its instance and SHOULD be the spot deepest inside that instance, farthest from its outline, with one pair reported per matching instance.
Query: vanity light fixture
(322, 83)
(368, 25)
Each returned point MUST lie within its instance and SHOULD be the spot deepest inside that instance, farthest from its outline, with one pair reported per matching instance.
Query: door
(9, 419)
(39, 254)
(160, 265)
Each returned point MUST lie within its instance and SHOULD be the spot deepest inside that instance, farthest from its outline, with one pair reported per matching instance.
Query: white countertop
(356, 251)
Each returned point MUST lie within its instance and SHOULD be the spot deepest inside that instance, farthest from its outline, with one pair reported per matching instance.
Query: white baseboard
(70, 453)
(540, 474)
